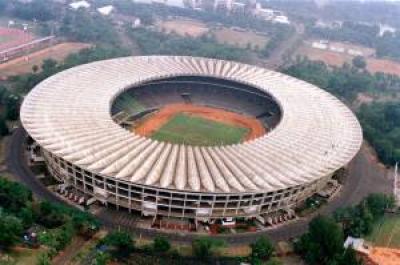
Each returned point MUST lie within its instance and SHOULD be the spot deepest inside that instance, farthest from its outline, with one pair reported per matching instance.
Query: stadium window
(164, 194)
(88, 179)
(123, 185)
(98, 178)
(178, 195)
(136, 188)
(193, 197)
(110, 181)
(149, 191)
(123, 192)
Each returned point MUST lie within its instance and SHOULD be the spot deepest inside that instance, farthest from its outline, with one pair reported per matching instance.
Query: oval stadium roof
(68, 114)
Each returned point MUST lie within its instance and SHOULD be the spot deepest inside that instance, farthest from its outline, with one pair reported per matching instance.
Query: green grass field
(386, 233)
(185, 129)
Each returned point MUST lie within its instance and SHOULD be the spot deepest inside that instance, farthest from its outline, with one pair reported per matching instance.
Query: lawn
(192, 130)
(387, 232)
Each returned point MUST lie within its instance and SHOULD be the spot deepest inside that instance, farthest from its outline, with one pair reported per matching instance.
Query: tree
(262, 248)
(51, 215)
(10, 230)
(3, 127)
(323, 243)
(359, 62)
(13, 196)
(122, 243)
(84, 223)
(161, 244)
(350, 257)
(204, 247)
(379, 202)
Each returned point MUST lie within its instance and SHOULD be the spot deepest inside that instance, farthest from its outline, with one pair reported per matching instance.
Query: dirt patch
(338, 59)
(240, 38)
(385, 66)
(183, 27)
(329, 57)
(385, 256)
(24, 64)
(152, 123)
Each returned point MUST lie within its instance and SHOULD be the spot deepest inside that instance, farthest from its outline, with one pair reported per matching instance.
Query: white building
(281, 19)
(106, 10)
(79, 4)
(318, 45)
(355, 52)
(358, 244)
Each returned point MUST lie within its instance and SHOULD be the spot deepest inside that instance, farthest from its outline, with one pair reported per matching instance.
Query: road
(275, 60)
(365, 176)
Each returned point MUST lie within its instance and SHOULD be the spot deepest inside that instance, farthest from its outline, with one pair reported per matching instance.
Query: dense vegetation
(356, 221)
(345, 81)
(83, 26)
(380, 121)
(41, 10)
(381, 125)
(56, 223)
(149, 12)
(323, 244)
(8, 109)
(153, 42)
(374, 12)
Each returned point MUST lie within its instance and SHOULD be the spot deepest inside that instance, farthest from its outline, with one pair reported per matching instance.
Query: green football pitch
(192, 130)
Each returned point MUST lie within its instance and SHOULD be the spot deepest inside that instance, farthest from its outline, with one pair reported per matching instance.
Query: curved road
(365, 176)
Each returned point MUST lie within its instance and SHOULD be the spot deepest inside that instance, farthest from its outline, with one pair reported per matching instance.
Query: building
(358, 244)
(105, 10)
(72, 116)
(79, 4)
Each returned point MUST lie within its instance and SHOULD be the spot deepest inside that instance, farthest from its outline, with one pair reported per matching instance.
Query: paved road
(365, 176)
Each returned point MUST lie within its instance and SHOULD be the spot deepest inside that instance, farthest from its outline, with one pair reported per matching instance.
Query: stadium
(187, 137)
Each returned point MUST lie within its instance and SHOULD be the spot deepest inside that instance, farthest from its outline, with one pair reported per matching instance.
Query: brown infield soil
(152, 123)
